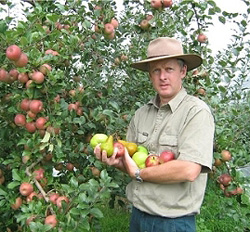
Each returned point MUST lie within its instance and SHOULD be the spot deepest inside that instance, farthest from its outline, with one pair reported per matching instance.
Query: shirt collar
(172, 104)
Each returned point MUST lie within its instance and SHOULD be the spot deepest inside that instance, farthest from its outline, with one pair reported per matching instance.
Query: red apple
(40, 123)
(45, 69)
(53, 197)
(120, 149)
(3, 75)
(72, 106)
(13, 73)
(25, 104)
(202, 38)
(149, 17)
(38, 174)
(36, 106)
(108, 28)
(38, 77)
(30, 127)
(224, 179)
(29, 198)
(226, 155)
(13, 52)
(166, 156)
(114, 22)
(31, 114)
(69, 166)
(144, 24)
(51, 52)
(17, 204)
(51, 220)
(22, 61)
(152, 160)
(26, 189)
(23, 77)
(60, 199)
(156, 4)
(20, 120)
(167, 3)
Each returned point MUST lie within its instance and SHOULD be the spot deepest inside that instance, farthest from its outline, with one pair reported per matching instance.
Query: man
(167, 197)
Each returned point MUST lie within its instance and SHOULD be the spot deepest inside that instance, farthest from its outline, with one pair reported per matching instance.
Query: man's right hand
(117, 162)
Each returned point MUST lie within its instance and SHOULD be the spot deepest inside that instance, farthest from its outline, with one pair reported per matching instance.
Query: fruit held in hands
(142, 149)
(131, 147)
(120, 149)
(98, 138)
(166, 156)
(140, 158)
(108, 146)
(152, 160)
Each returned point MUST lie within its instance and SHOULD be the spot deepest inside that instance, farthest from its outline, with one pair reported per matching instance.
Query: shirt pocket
(142, 137)
(168, 142)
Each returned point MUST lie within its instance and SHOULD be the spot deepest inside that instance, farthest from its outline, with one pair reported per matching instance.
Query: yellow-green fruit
(108, 146)
(142, 149)
(140, 158)
(98, 138)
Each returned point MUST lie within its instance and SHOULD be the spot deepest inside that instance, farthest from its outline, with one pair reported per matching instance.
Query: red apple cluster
(145, 23)
(158, 4)
(228, 186)
(108, 27)
(154, 160)
(20, 59)
(15, 54)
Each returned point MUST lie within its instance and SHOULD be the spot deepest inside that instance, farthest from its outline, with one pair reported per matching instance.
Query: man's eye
(156, 71)
(169, 69)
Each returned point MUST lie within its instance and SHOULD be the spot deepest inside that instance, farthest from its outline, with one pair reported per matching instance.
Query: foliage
(93, 71)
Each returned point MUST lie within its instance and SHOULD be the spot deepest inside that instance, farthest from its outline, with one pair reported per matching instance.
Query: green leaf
(2, 192)
(46, 137)
(53, 18)
(15, 175)
(96, 212)
(222, 19)
(13, 184)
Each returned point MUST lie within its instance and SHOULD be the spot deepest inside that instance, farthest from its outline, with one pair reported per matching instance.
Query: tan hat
(165, 47)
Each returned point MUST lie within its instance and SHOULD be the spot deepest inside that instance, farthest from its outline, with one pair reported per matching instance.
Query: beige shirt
(186, 126)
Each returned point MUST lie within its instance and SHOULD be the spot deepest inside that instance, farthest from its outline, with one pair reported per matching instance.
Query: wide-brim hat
(166, 48)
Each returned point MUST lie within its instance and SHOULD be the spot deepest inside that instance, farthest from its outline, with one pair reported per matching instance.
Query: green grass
(218, 214)
(116, 219)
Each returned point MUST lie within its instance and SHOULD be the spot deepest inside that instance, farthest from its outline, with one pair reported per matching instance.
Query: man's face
(166, 76)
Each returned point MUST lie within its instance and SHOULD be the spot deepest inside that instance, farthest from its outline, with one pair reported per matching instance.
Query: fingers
(97, 151)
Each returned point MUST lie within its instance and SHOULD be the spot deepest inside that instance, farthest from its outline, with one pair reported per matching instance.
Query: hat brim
(191, 60)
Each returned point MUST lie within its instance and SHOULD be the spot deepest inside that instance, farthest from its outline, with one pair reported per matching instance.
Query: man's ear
(184, 71)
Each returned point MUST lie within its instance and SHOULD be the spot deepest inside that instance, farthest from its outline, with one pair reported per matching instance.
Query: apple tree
(69, 76)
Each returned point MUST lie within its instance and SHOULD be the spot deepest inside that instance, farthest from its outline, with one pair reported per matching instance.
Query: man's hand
(129, 164)
(112, 160)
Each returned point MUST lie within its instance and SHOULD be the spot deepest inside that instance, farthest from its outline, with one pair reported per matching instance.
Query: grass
(218, 213)
(116, 219)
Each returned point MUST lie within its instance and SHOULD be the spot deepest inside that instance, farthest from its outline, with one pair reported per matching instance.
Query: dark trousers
(144, 222)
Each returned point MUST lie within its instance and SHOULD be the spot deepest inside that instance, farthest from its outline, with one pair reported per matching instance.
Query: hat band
(150, 57)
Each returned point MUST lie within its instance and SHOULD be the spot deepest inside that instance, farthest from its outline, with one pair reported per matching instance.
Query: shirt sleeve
(196, 138)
